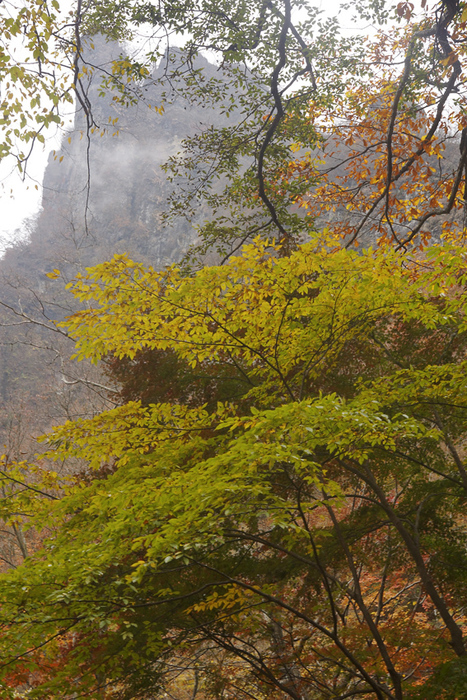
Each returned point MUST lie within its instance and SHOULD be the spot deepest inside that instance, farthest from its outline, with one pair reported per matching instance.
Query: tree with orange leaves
(368, 141)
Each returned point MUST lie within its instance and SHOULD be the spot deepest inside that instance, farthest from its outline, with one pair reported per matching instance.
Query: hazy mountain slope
(89, 214)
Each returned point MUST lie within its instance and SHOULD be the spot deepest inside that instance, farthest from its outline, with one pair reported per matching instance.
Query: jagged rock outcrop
(104, 193)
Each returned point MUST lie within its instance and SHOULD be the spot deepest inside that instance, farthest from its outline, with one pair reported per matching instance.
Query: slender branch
(450, 445)
(457, 639)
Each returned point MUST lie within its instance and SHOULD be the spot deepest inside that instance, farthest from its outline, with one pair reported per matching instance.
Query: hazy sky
(21, 199)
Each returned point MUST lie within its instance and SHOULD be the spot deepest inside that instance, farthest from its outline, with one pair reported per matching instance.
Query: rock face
(104, 193)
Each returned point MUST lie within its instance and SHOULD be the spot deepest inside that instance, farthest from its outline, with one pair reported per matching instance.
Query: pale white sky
(20, 196)
(21, 199)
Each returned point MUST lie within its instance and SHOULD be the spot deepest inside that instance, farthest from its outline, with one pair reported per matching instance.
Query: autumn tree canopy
(277, 510)
(308, 541)
(325, 126)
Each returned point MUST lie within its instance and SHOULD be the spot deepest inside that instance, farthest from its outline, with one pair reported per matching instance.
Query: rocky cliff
(104, 193)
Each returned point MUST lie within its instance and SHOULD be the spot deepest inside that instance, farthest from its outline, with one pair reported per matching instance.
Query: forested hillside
(256, 483)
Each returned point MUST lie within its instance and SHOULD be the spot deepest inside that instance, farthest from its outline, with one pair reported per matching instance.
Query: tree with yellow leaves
(302, 532)
(310, 537)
